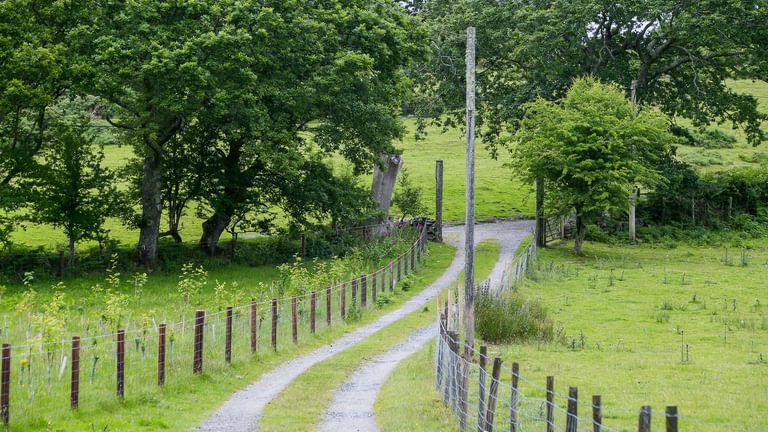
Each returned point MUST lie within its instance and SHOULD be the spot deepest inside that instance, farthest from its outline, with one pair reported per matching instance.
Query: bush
(511, 318)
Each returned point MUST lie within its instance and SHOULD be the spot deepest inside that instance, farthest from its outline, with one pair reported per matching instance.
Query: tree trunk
(151, 208)
(384, 178)
(580, 233)
(213, 228)
(71, 251)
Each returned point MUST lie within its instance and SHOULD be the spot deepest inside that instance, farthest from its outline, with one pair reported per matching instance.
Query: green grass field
(314, 389)
(635, 309)
(625, 316)
(146, 406)
(742, 154)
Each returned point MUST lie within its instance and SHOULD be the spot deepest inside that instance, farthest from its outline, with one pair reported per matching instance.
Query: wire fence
(484, 398)
(40, 382)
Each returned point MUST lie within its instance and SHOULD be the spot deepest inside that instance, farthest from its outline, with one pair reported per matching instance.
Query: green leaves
(591, 148)
(680, 54)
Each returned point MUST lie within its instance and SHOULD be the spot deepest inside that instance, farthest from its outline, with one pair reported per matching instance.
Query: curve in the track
(351, 408)
(244, 409)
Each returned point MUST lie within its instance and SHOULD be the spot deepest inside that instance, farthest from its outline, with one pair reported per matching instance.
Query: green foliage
(680, 54)
(224, 295)
(510, 317)
(71, 189)
(191, 282)
(408, 196)
(591, 149)
(736, 199)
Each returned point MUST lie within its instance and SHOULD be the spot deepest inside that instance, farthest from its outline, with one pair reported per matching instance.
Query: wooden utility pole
(439, 200)
(632, 235)
(469, 248)
(541, 222)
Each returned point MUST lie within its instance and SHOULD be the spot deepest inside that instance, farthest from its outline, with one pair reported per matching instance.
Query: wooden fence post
(383, 278)
(447, 373)
(541, 228)
(439, 200)
(161, 354)
(513, 398)
(363, 291)
(464, 389)
(391, 277)
(491, 410)
(572, 421)
(405, 263)
(328, 306)
(120, 363)
(550, 404)
(481, 389)
(644, 422)
(254, 326)
(354, 292)
(5, 384)
(274, 324)
(597, 413)
(399, 265)
(373, 288)
(452, 383)
(74, 392)
(413, 259)
(343, 301)
(671, 414)
(312, 306)
(228, 337)
(294, 318)
(197, 364)
(439, 355)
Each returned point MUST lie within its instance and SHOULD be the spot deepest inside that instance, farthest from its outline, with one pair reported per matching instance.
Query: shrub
(510, 317)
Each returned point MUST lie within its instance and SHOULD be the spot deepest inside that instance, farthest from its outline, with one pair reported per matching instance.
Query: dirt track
(244, 409)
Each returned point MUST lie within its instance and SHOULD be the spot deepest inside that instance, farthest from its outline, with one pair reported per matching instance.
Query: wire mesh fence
(41, 381)
(485, 395)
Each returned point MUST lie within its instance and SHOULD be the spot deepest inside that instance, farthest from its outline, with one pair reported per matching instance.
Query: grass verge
(147, 407)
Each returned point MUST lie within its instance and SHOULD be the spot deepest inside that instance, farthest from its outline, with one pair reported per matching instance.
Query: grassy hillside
(742, 154)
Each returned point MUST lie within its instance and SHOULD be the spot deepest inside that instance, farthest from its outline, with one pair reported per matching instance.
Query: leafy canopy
(591, 148)
(681, 53)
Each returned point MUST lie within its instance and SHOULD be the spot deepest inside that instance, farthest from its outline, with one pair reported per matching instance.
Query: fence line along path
(352, 406)
(244, 409)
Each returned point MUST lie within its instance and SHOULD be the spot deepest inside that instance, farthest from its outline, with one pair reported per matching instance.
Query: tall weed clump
(510, 317)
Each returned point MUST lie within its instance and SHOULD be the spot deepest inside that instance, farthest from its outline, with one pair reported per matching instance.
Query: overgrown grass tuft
(511, 317)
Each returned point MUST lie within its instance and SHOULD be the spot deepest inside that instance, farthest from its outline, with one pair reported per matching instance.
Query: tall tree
(36, 69)
(153, 61)
(70, 189)
(299, 68)
(680, 53)
(591, 148)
